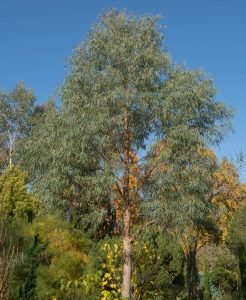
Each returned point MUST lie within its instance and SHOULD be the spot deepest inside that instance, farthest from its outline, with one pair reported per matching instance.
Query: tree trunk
(127, 249)
(191, 275)
(126, 283)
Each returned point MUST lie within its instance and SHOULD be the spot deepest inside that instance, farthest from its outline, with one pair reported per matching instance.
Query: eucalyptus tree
(111, 93)
(182, 186)
(180, 191)
(106, 116)
(16, 108)
(121, 92)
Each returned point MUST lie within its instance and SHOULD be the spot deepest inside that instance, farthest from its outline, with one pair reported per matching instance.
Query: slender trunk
(191, 275)
(126, 281)
(127, 268)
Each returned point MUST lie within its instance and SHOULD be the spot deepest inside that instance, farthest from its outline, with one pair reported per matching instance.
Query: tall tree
(112, 94)
(16, 108)
(107, 113)
(121, 92)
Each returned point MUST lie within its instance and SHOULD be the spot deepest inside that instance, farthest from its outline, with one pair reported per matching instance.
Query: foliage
(226, 282)
(65, 258)
(15, 201)
(65, 174)
(237, 238)
(223, 264)
(158, 266)
(9, 244)
(204, 194)
(16, 109)
(228, 193)
(111, 270)
(102, 282)
(181, 191)
(27, 268)
(238, 226)
(157, 269)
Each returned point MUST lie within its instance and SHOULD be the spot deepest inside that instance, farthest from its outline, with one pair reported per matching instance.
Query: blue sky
(37, 36)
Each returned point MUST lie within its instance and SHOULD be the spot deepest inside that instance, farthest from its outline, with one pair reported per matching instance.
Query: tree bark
(127, 249)
(191, 275)
(127, 268)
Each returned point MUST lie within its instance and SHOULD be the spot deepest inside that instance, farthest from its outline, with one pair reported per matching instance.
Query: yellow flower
(108, 275)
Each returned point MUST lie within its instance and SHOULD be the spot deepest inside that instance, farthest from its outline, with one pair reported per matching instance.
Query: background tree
(15, 201)
(16, 108)
(17, 208)
(191, 120)
(183, 206)
(67, 255)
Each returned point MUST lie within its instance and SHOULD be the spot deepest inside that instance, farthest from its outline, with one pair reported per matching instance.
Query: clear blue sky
(36, 37)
